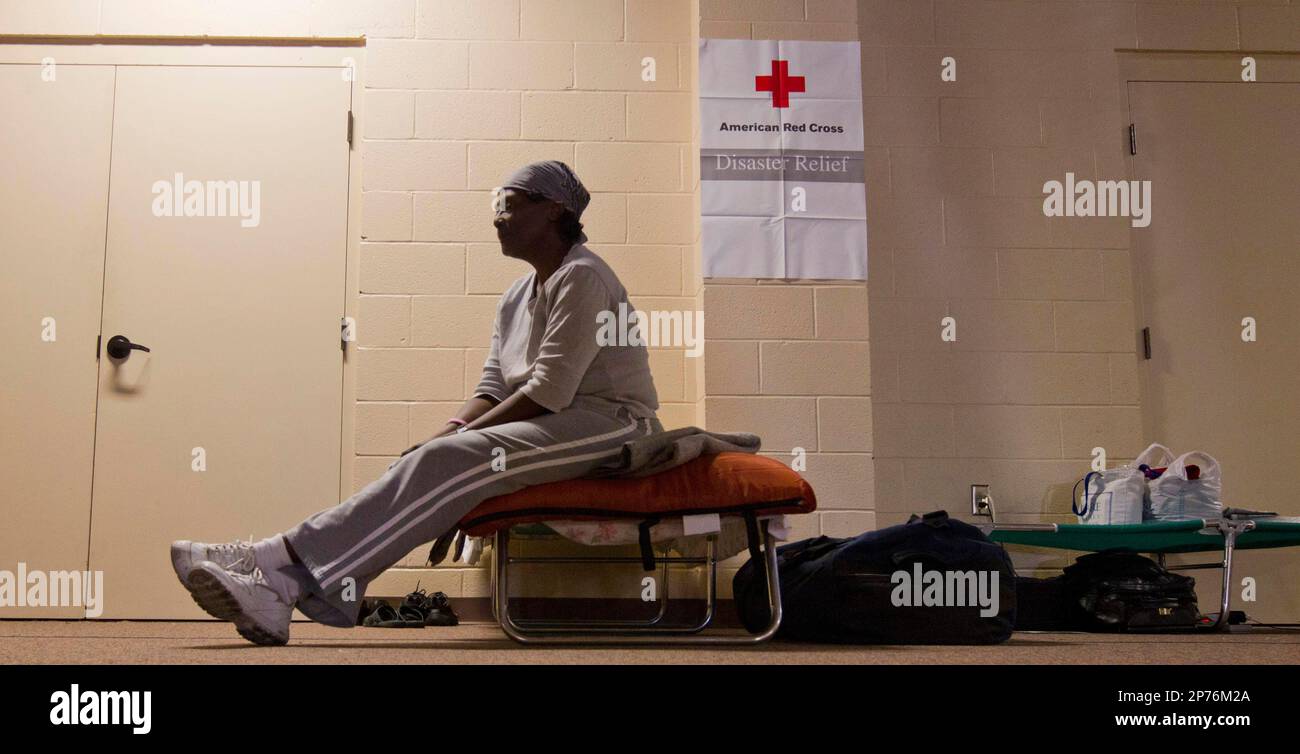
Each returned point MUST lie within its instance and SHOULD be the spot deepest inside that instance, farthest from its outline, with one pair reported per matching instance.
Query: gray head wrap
(555, 181)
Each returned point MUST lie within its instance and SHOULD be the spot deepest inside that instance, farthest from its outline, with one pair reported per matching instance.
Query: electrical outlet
(981, 500)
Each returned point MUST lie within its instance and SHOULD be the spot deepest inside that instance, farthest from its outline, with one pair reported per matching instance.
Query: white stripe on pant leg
(468, 488)
(485, 466)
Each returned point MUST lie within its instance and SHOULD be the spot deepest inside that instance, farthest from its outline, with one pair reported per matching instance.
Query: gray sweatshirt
(544, 342)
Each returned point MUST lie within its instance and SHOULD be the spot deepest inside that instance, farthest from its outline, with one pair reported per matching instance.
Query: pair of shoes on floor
(225, 581)
(417, 610)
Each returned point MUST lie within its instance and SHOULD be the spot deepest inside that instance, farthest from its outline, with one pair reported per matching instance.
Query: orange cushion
(722, 483)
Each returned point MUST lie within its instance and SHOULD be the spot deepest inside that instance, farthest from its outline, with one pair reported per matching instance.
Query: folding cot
(728, 484)
(1160, 538)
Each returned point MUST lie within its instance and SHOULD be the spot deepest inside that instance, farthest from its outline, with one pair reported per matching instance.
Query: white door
(54, 145)
(1224, 246)
(230, 424)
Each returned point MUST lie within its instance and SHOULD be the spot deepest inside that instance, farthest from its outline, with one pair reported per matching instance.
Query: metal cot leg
(576, 632)
(1231, 530)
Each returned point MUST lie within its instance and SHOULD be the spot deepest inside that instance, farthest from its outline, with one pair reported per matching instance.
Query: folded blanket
(659, 452)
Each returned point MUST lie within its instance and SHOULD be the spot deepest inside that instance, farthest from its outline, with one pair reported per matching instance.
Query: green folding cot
(1160, 539)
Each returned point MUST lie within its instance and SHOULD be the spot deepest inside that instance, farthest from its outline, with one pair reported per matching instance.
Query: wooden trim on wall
(115, 39)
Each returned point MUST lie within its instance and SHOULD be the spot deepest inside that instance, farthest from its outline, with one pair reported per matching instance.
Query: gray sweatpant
(427, 491)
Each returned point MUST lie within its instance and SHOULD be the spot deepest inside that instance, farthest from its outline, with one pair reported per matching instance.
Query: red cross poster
(781, 170)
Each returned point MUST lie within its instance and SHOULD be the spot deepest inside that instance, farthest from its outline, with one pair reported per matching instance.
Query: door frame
(323, 52)
(1179, 66)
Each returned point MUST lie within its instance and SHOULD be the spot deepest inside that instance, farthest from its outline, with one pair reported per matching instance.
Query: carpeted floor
(116, 642)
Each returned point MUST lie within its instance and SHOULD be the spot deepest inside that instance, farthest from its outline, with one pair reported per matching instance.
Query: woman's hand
(450, 429)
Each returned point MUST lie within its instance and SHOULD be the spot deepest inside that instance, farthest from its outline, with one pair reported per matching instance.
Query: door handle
(120, 347)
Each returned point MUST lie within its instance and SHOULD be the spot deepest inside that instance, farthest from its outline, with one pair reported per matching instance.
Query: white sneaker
(246, 600)
(236, 557)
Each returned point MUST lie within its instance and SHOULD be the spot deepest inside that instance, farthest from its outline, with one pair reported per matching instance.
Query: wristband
(457, 422)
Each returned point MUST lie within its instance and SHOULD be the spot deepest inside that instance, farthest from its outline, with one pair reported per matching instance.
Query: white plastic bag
(1120, 496)
(1174, 497)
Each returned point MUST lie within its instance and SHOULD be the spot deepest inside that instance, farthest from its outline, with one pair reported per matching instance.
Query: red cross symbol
(780, 83)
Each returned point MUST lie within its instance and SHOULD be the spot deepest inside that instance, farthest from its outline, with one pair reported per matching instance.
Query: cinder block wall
(1044, 367)
(789, 360)
(1045, 364)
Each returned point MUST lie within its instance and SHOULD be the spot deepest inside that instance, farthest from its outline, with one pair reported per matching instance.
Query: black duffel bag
(1041, 605)
(879, 587)
(1124, 591)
